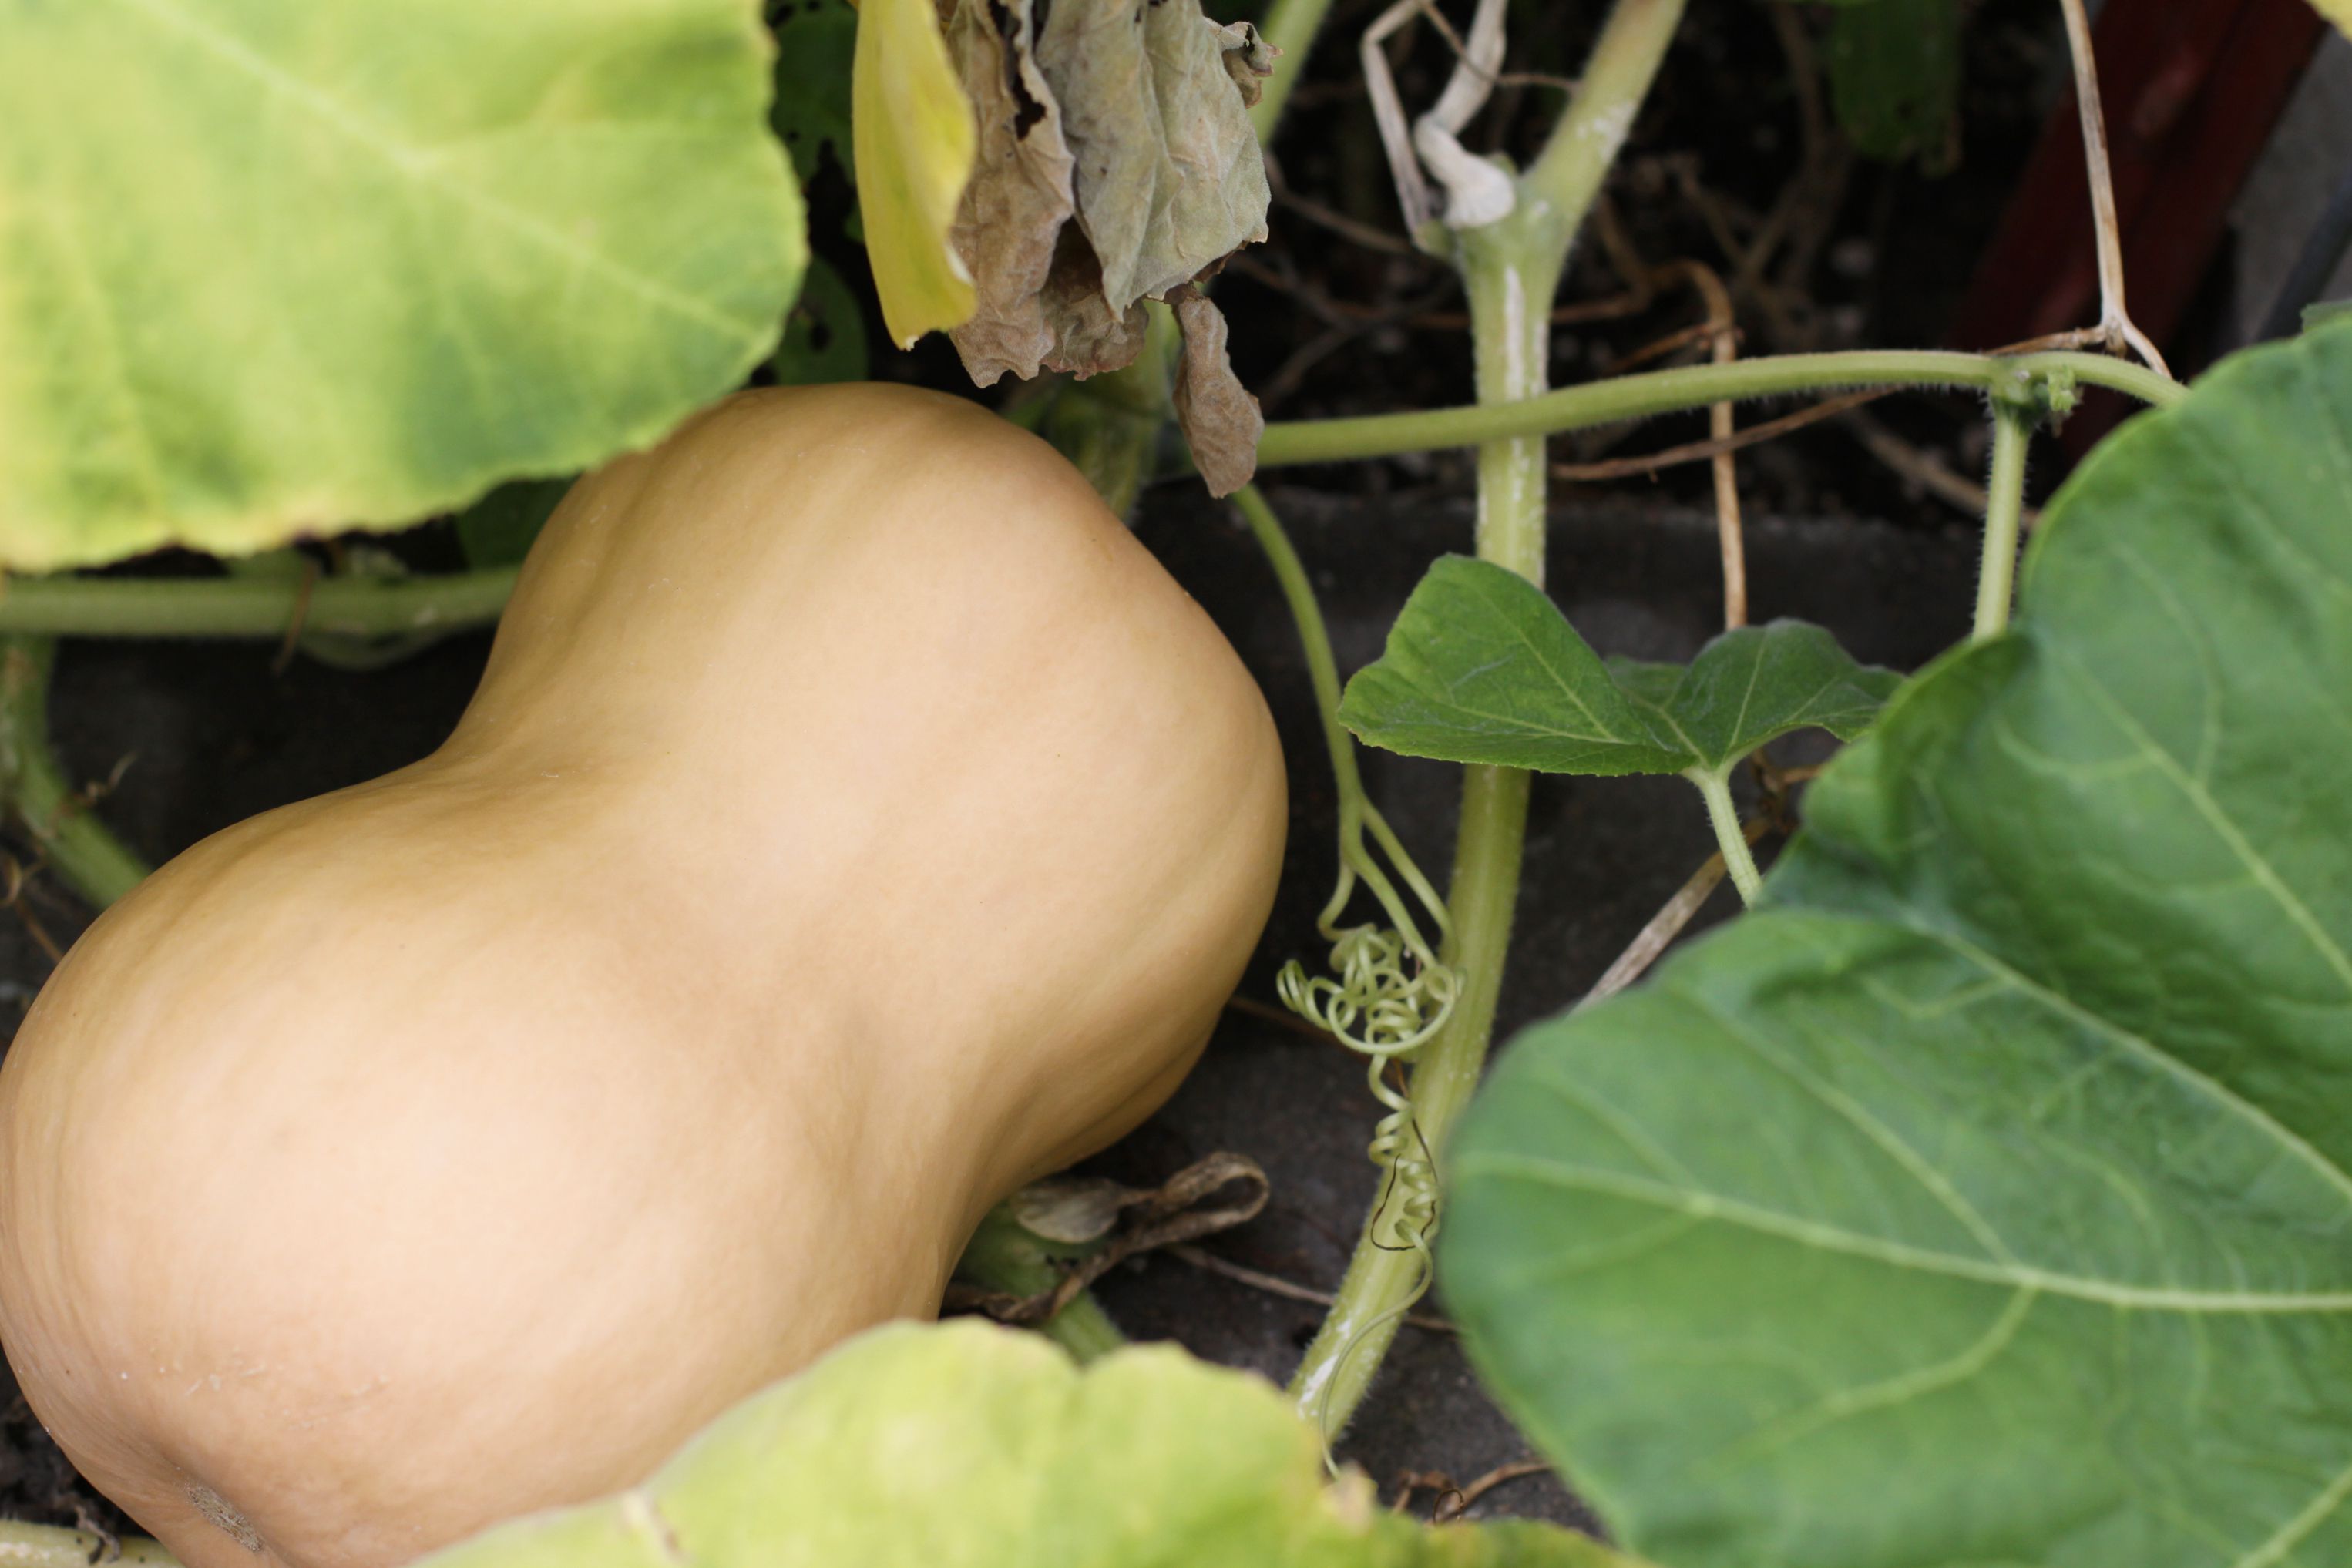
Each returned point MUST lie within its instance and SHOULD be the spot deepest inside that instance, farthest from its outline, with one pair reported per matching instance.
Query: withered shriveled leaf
(1220, 419)
(1249, 59)
(1020, 193)
(1170, 178)
(1088, 334)
(1132, 121)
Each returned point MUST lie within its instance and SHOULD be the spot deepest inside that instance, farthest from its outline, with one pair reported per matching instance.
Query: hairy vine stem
(54, 814)
(1357, 813)
(1623, 398)
(2012, 428)
(1730, 835)
(1395, 993)
(1512, 268)
(358, 606)
(378, 606)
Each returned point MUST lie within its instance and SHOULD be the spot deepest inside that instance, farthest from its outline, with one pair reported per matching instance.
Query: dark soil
(213, 736)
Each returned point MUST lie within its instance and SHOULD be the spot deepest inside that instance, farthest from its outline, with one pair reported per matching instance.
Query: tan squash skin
(854, 822)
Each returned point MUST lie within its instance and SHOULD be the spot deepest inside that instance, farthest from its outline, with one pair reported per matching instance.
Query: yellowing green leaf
(915, 141)
(968, 1446)
(268, 269)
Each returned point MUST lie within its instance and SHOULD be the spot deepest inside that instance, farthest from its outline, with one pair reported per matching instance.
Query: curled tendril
(1391, 995)
(1392, 992)
(1386, 1001)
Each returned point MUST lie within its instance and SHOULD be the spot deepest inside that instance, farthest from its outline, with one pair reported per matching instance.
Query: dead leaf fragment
(1220, 419)
(1116, 162)
(1249, 58)
(1011, 219)
(1072, 1210)
(1207, 1197)
(1169, 177)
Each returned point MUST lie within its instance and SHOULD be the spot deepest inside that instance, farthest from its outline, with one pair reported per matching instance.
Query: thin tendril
(1392, 992)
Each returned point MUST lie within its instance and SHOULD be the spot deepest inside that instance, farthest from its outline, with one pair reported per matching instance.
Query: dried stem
(1701, 450)
(2115, 324)
(1413, 199)
(1728, 533)
(1667, 924)
(1454, 1499)
(1923, 469)
(1275, 1285)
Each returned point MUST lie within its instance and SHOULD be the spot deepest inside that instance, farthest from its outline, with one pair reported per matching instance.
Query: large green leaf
(1987, 1200)
(968, 1446)
(268, 268)
(1895, 77)
(815, 42)
(1481, 666)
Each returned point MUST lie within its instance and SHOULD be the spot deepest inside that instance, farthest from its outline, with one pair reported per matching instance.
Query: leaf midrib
(1708, 1205)
(1502, 615)
(414, 166)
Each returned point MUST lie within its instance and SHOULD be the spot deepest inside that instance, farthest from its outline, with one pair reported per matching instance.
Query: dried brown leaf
(1116, 164)
(1009, 226)
(1088, 335)
(1249, 59)
(1168, 176)
(1218, 417)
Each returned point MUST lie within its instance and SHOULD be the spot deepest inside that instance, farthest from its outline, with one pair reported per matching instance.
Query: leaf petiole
(1715, 787)
(2012, 429)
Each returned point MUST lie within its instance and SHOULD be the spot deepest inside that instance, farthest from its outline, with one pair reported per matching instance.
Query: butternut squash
(854, 822)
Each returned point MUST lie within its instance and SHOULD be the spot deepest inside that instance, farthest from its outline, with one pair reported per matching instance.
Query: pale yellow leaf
(915, 139)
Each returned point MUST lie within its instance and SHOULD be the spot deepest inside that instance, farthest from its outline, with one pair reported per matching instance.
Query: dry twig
(1266, 1012)
(1924, 468)
(1413, 198)
(1274, 1285)
(1179, 1210)
(1354, 230)
(1453, 1499)
(1674, 342)
(1700, 450)
(19, 880)
(1728, 532)
(295, 627)
(2116, 325)
(1667, 924)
